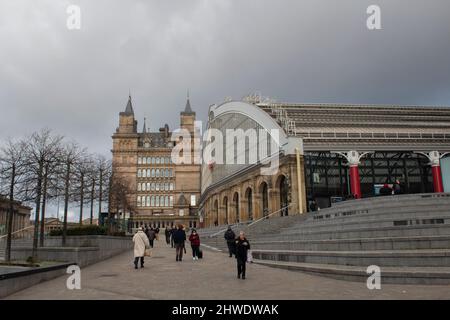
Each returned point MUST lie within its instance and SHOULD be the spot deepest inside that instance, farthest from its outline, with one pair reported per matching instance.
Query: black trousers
(179, 248)
(136, 260)
(230, 248)
(195, 251)
(241, 266)
(168, 240)
(172, 242)
(151, 242)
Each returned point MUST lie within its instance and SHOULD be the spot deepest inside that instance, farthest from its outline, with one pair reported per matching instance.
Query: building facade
(347, 151)
(21, 218)
(162, 192)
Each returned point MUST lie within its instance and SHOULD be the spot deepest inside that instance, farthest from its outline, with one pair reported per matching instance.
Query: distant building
(21, 215)
(163, 193)
(88, 222)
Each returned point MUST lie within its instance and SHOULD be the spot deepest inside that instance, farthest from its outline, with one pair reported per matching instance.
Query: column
(353, 158)
(435, 158)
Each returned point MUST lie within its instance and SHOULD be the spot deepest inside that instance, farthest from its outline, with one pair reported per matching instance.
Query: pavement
(211, 278)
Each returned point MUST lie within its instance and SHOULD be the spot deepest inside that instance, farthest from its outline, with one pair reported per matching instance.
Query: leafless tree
(12, 173)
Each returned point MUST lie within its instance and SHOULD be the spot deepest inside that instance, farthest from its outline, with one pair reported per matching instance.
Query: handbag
(148, 253)
(249, 256)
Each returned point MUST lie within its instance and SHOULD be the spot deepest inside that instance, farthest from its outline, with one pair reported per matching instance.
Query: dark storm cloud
(76, 82)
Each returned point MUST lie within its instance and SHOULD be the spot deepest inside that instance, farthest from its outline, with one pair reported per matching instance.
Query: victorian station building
(161, 193)
(326, 153)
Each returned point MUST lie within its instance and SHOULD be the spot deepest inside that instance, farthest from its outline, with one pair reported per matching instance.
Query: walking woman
(242, 247)
(140, 244)
(194, 238)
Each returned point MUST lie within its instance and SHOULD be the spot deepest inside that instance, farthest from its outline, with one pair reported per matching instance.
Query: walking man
(167, 234)
(179, 237)
(151, 236)
(230, 237)
(242, 247)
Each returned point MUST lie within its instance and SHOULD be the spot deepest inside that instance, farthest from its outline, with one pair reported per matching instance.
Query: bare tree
(119, 196)
(83, 171)
(12, 172)
(41, 148)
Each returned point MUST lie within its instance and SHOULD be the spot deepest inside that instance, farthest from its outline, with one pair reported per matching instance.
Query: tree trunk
(81, 199)
(92, 200)
(66, 204)
(38, 206)
(44, 202)
(10, 215)
(100, 193)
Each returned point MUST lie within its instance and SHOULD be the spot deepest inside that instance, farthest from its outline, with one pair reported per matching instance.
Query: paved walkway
(214, 277)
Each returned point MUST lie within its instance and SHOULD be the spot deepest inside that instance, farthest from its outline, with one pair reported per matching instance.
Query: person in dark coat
(194, 238)
(242, 246)
(151, 236)
(179, 237)
(230, 237)
(167, 233)
(172, 231)
(385, 190)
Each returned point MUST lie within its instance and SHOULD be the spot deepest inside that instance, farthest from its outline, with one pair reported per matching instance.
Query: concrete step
(389, 275)
(363, 232)
(370, 244)
(382, 258)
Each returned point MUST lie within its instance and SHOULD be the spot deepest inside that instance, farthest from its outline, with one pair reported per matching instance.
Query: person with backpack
(230, 237)
(194, 238)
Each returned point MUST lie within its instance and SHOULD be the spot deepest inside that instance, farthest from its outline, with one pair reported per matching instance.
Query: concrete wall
(82, 250)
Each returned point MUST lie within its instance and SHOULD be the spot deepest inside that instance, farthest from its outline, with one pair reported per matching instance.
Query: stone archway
(236, 207)
(249, 203)
(216, 212)
(283, 192)
(225, 208)
(264, 196)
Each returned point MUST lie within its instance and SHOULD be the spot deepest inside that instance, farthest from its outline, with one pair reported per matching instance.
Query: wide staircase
(407, 236)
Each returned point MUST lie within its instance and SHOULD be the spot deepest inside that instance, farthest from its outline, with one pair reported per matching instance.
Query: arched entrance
(225, 206)
(236, 206)
(248, 198)
(283, 188)
(264, 199)
(216, 213)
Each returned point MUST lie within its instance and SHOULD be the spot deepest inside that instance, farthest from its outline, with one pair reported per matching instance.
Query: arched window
(148, 186)
(166, 186)
(148, 173)
(153, 173)
(166, 201)
(153, 201)
(153, 186)
(157, 201)
(171, 201)
(167, 173)
(139, 160)
(157, 173)
(144, 160)
(161, 200)
(138, 201)
(157, 160)
(144, 173)
(153, 160)
(167, 160)
(171, 186)
(148, 201)
(171, 172)
(157, 186)
(139, 173)
(141, 186)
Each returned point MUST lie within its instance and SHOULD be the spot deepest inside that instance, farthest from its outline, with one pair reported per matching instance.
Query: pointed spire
(129, 108)
(188, 108)
(144, 130)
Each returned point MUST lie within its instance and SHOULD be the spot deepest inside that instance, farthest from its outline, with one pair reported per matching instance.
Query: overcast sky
(77, 81)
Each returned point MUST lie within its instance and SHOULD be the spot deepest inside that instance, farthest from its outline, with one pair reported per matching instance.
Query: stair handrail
(17, 231)
(223, 230)
(267, 217)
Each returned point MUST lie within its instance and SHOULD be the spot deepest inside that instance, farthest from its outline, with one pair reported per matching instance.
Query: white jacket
(140, 244)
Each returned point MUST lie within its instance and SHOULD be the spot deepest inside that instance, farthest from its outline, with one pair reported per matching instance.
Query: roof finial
(129, 107)
(188, 109)
(144, 130)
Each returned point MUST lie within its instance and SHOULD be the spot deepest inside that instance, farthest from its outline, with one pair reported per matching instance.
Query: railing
(268, 216)
(21, 232)
(221, 231)
(371, 135)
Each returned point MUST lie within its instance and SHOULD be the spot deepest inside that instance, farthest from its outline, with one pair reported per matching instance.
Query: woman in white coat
(141, 243)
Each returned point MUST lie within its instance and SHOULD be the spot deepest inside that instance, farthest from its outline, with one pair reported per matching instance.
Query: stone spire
(129, 108)
(144, 129)
(188, 109)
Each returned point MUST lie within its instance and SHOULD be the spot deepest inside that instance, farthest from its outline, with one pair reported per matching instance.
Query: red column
(437, 178)
(355, 184)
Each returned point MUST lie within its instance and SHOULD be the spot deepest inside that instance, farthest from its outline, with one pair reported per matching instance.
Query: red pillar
(355, 184)
(437, 178)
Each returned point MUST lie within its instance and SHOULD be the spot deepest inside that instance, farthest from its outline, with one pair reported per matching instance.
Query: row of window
(154, 160)
(155, 186)
(154, 201)
(155, 173)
